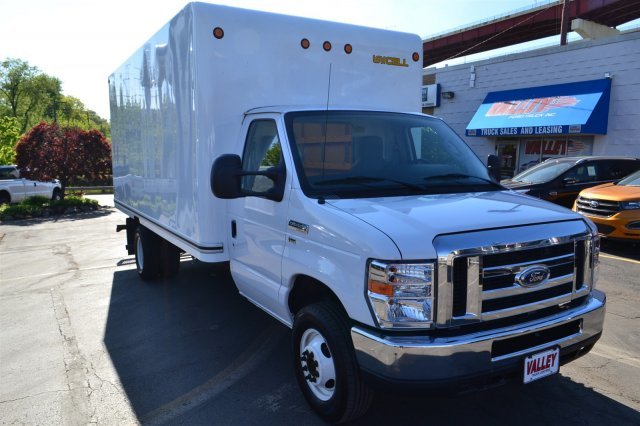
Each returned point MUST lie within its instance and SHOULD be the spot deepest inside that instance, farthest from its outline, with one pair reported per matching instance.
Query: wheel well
(6, 193)
(307, 290)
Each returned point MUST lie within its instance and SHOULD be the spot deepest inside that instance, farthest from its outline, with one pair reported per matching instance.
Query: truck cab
(388, 224)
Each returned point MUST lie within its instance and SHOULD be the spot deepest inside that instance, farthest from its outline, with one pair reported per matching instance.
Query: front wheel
(325, 364)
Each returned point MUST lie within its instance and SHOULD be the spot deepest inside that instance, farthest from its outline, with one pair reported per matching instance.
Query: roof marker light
(348, 49)
(305, 43)
(326, 46)
(218, 33)
(415, 56)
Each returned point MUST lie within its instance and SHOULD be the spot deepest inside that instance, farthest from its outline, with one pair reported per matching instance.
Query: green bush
(38, 205)
(37, 200)
(20, 211)
(74, 201)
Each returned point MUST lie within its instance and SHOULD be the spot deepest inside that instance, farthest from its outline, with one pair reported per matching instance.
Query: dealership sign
(574, 108)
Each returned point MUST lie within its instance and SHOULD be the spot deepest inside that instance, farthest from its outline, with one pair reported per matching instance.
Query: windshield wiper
(460, 176)
(363, 180)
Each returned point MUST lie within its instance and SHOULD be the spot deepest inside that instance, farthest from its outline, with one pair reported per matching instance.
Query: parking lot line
(624, 259)
(249, 360)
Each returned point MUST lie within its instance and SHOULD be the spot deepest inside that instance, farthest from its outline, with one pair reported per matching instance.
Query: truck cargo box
(179, 102)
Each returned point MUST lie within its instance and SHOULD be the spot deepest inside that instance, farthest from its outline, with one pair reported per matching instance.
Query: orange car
(613, 207)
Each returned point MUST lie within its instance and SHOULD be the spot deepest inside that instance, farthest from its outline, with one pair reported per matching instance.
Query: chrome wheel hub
(317, 364)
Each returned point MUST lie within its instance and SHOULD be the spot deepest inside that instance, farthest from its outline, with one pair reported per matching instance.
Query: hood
(412, 222)
(612, 192)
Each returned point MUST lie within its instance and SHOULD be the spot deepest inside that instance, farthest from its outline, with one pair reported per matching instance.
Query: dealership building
(581, 98)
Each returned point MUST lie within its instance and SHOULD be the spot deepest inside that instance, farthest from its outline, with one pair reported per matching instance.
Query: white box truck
(293, 149)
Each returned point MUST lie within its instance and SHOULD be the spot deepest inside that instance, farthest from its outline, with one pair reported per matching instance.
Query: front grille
(526, 298)
(496, 281)
(500, 291)
(596, 207)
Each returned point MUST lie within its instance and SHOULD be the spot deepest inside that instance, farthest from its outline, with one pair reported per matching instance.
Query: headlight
(630, 205)
(401, 294)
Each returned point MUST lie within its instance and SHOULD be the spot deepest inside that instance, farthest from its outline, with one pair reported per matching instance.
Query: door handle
(234, 229)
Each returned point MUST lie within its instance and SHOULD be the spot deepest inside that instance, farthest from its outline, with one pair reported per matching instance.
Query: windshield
(352, 154)
(632, 180)
(543, 172)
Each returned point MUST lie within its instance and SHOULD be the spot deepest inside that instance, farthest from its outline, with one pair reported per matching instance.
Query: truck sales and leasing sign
(570, 108)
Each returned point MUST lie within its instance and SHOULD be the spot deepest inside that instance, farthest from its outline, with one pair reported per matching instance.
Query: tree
(9, 135)
(27, 94)
(48, 152)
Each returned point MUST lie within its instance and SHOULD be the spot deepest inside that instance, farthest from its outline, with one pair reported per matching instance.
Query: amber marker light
(305, 43)
(348, 49)
(218, 33)
(415, 56)
(326, 46)
(380, 288)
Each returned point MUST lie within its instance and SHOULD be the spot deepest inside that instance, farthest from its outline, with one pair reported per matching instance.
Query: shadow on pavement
(629, 250)
(172, 341)
(167, 338)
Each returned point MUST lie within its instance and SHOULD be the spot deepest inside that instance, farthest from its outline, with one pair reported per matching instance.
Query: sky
(82, 42)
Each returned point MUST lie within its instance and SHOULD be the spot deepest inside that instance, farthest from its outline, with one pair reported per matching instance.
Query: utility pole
(564, 23)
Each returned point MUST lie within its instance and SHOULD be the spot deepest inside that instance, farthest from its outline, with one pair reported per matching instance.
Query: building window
(536, 150)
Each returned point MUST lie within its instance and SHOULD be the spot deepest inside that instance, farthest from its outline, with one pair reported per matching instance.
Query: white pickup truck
(371, 230)
(14, 189)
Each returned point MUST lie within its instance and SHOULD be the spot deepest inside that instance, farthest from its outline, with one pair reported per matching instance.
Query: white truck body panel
(178, 103)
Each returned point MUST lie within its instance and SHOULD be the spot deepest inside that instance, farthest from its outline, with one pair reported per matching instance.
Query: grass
(42, 206)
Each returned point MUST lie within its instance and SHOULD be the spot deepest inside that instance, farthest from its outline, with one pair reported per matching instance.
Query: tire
(325, 364)
(57, 194)
(5, 198)
(147, 251)
(169, 259)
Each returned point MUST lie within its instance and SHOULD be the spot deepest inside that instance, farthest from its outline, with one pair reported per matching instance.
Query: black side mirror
(493, 165)
(226, 173)
(225, 176)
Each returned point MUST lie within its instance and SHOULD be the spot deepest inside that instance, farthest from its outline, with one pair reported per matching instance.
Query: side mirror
(493, 165)
(225, 177)
(226, 174)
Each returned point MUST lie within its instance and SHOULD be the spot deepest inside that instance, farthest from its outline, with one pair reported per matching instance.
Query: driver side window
(583, 173)
(262, 152)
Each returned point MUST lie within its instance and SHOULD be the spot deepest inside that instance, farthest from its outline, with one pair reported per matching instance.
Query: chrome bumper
(412, 358)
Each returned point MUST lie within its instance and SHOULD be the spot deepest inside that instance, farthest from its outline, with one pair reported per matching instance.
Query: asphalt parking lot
(83, 340)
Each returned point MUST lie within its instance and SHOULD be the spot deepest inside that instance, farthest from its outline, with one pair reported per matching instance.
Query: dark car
(559, 180)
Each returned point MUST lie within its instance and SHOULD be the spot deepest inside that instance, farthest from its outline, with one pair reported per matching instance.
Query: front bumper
(615, 227)
(424, 360)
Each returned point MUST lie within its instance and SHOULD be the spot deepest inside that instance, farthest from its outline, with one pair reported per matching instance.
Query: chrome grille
(596, 207)
(480, 282)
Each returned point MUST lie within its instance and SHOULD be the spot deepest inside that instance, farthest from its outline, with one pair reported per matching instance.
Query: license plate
(541, 365)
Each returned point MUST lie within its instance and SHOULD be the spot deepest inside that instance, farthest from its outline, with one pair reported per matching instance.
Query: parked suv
(559, 180)
(614, 208)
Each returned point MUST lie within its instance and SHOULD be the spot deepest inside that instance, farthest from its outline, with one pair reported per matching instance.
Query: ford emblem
(533, 276)
(594, 204)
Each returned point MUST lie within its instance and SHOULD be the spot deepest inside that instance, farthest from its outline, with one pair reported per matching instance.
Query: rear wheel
(147, 252)
(325, 364)
(169, 259)
(57, 194)
(4, 198)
